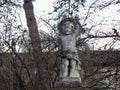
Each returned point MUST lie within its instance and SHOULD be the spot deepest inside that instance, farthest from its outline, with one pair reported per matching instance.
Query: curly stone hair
(77, 26)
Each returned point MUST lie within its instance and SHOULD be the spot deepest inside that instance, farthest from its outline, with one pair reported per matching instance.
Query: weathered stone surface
(70, 60)
(68, 82)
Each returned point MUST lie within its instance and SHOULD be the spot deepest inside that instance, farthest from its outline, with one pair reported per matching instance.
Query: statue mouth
(67, 33)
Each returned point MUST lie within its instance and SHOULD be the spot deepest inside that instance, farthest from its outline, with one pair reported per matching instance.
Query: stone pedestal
(68, 82)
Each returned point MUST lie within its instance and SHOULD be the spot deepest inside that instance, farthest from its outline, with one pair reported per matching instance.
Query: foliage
(22, 67)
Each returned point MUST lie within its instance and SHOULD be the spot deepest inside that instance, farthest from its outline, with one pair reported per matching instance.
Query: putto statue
(69, 29)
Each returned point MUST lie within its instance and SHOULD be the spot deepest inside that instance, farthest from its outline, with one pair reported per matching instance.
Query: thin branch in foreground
(106, 36)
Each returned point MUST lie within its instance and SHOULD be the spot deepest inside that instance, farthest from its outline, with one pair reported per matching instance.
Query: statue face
(68, 27)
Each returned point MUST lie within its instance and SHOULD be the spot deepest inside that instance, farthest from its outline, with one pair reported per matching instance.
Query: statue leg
(64, 68)
(73, 69)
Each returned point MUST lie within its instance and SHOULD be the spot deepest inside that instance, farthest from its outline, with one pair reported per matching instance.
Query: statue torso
(68, 43)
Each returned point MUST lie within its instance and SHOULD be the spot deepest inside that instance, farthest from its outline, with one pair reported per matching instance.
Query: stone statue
(69, 29)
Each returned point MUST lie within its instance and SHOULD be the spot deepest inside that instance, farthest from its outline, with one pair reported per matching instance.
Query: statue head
(69, 26)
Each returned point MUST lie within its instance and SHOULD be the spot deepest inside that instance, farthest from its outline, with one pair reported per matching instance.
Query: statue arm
(79, 30)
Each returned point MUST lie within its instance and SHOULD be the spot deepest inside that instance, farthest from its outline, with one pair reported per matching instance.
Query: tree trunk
(41, 81)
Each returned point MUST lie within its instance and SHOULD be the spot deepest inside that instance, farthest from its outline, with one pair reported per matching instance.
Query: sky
(43, 5)
(109, 15)
(41, 8)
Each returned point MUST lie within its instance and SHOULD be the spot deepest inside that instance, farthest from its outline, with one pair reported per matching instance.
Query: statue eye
(72, 26)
